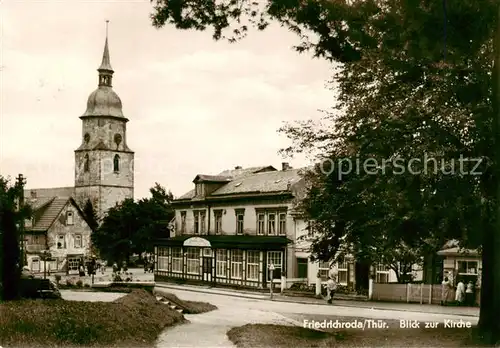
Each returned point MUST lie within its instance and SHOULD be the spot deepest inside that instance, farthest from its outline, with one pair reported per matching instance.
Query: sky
(196, 106)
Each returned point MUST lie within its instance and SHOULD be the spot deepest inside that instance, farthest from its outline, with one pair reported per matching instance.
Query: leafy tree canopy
(414, 82)
(12, 214)
(132, 227)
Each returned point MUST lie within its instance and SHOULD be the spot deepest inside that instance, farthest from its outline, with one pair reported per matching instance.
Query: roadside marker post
(271, 271)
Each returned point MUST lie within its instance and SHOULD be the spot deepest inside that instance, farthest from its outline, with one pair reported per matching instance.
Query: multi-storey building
(235, 228)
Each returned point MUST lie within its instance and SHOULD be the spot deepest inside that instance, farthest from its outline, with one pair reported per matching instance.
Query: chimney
(237, 167)
(285, 166)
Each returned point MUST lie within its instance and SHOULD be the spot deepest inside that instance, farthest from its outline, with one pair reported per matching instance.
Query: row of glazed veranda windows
(231, 266)
(270, 223)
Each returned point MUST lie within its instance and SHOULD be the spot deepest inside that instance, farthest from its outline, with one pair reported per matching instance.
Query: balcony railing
(35, 248)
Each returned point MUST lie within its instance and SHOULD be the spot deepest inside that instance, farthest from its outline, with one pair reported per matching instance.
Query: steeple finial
(106, 65)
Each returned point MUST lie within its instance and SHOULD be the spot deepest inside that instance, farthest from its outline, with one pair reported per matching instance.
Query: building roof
(47, 212)
(238, 172)
(211, 178)
(263, 182)
(456, 251)
(255, 180)
(49, 192)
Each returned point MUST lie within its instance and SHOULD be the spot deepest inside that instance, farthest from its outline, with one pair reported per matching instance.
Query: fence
(413, 293)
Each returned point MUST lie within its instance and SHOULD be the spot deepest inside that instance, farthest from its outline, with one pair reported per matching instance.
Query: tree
(132, 227)
(12, 214)
(403, 92)
(90, 215)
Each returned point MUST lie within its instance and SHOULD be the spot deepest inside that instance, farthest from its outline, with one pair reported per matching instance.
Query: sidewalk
(277, 297)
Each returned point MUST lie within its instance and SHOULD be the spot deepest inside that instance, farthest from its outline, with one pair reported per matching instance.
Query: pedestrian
(82, 271)
(445, 291)
(460, 293)
(469, 294)
(331, 286)
(115, 267)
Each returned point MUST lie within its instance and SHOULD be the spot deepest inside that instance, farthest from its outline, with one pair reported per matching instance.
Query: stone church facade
(104, 174)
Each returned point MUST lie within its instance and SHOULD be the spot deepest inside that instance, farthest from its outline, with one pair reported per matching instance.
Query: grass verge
(190, 307)
(135, 320)
(261, 335)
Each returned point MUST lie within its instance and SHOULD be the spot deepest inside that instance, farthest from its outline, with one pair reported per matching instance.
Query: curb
(313, 304)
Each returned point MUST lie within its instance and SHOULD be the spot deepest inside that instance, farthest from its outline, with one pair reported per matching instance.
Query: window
(236, 264)
(324, 269)
(253, 259)
(218, 221)
(382, 274)
(240, 218)
(196, 226)
(35, 265)
(86, 138)
(177, 260)
(78, 240)
(183, 222)
(275, 258)
(202, 222)
(271, 224)
(221, 265)
(467, 267)
(69, 218)
(116, 164)
(163, 259)
(193, 260)
(342, 272)
(60, 242)
(260, 223)
(86, 163)
(282, 224)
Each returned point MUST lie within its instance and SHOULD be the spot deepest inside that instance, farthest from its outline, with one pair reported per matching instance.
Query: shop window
(275, 258)
(193, 260)
(253, 259)
(177, 260)
(221, 266)
(236, 264)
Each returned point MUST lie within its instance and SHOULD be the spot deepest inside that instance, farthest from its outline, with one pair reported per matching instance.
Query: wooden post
(421, 293)
(271, 269)
(430, 293)
(407, 292)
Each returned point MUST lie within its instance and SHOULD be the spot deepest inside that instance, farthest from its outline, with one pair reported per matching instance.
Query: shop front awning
(226, 242)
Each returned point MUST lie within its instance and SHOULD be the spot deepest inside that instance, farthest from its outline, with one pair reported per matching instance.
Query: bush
(69, 284)
(134, 320)
(58, 278)
(189, 307)
(79, 283)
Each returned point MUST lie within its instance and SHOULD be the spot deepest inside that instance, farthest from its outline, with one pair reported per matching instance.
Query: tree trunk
(489, 325)
(11, 262)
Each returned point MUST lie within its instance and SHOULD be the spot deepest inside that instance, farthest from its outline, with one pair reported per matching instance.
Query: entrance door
(35, 265)
(301, 267)
(207, 269)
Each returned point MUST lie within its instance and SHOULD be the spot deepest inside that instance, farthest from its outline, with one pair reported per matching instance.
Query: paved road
(208, 330)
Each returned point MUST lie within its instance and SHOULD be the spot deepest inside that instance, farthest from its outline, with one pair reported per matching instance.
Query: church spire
(105, 70)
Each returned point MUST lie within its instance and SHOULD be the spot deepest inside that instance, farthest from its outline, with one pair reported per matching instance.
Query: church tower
(104, 164)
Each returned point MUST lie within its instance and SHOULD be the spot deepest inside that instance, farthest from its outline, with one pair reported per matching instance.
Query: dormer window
(33, 194)
(69, 218)
(198, 188)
